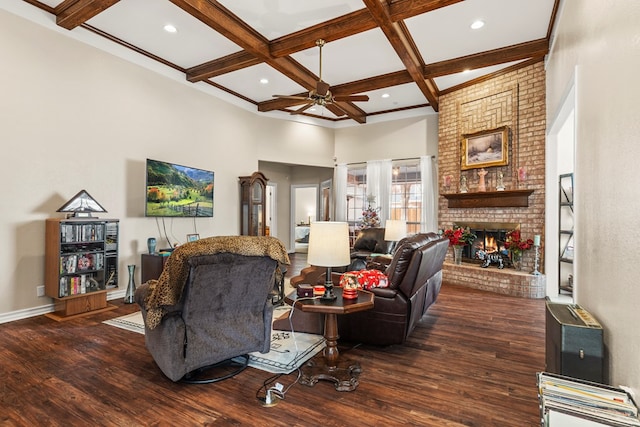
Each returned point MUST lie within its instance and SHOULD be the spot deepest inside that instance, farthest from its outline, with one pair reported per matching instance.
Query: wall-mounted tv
(178, 191)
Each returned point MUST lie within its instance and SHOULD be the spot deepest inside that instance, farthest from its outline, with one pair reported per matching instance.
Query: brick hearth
(506, 281)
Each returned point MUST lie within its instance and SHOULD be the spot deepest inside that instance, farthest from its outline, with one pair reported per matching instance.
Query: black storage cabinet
(573, 348)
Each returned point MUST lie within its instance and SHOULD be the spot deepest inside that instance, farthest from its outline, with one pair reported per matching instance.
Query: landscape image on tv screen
(178, 191)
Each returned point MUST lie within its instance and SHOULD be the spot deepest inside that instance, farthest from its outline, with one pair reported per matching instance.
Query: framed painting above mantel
(485, 149)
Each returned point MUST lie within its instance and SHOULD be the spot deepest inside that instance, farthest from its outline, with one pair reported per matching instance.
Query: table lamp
(328, 247)
(394, 231)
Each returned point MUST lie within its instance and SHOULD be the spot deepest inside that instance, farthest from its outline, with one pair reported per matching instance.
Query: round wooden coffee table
(330, 367)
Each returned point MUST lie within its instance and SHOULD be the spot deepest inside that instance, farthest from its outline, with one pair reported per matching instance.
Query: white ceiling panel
(141, 23)
(247, 83)
(401, 96)
(353, 58)
(276, 18)
(446, 33)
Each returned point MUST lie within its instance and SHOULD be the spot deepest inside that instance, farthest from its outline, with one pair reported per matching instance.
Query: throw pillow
(366, 279)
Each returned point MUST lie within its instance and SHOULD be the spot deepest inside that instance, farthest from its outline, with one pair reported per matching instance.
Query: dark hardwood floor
(471, 362)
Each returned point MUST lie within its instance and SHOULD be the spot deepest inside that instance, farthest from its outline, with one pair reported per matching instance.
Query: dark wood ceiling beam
(234, 62)
(334, 29)
(533, 49)
(403, 9)
(403, 45)
(373, 83)
(71, 13)
(351, 24)
(216, 16)
(488, 77)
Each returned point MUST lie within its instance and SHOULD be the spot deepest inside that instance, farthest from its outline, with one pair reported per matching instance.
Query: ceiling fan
(322, 96)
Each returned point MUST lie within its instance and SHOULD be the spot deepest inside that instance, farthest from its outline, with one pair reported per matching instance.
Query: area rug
(289, 350)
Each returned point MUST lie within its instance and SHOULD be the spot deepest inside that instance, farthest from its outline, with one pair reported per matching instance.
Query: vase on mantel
(516, 260)
(457, 254)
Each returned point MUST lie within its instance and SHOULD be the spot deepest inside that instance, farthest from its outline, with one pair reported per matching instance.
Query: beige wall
(73, 117)
(406, 138)
(602, 39)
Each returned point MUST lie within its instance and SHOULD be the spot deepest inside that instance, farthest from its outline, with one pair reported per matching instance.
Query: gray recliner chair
(223, 311)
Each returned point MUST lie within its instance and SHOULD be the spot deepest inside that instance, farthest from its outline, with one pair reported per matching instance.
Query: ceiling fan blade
(290, 97)
(351, 98)
(322, 88)
(303, 108)
(335, 109)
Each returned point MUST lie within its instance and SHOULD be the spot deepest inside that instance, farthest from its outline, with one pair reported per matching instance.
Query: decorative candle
(522, 174)
(536, 240)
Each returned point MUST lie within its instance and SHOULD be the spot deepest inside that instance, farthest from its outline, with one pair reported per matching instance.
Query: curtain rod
(393, 160)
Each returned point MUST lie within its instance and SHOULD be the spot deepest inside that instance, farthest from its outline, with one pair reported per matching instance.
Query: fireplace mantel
(490, 199)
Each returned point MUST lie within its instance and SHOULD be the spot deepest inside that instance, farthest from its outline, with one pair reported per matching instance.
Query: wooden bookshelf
(81, 264)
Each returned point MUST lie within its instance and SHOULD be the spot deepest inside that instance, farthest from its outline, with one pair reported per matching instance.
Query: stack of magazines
(587, 400)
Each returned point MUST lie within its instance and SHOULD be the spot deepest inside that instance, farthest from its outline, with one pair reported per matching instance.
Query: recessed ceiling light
(385, 95)
(170, 28)
(466, 71)
(264, 81)
(477, 24)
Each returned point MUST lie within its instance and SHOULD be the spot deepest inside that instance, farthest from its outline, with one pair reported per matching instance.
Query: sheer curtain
(340, 188)
(428, 173)
(379, 186)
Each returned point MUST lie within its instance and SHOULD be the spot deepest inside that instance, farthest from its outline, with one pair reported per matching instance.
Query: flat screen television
(178, 191)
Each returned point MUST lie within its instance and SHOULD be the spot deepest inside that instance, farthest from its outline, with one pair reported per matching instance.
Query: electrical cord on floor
(278, 391)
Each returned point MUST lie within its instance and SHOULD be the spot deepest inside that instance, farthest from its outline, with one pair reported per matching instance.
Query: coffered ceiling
(402, 54)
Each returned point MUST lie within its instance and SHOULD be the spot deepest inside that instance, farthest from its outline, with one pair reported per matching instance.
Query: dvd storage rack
(81, 264)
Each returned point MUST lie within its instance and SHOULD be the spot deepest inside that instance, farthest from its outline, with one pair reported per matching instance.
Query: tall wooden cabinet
(253, 192)
(81, 264)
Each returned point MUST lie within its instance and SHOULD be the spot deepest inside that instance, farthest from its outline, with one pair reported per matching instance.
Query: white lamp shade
(329, 244)
(395, 230)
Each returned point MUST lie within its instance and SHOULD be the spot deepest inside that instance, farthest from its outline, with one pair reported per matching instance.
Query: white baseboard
(47, 308)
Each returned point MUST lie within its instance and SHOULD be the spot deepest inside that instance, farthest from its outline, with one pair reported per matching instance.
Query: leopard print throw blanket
(167, 290)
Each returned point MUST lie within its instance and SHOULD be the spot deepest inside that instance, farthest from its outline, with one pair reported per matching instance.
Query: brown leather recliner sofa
(415, 278)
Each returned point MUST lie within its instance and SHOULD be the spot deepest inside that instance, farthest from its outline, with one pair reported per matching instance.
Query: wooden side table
(152, 265)
(344, 373)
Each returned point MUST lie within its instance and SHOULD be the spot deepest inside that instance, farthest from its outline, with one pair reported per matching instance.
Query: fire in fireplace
(490, 238)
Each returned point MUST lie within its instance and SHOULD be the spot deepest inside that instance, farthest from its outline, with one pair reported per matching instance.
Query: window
(405, 195)
(356, 193)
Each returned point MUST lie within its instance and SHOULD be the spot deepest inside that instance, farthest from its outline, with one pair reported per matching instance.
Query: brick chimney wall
(515, 99)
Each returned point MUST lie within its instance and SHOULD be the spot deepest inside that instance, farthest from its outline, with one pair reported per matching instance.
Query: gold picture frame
(486, 148)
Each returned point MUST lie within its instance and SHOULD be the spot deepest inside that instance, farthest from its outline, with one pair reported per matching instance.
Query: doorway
(304, 210)
(560, 149)
(270, 203)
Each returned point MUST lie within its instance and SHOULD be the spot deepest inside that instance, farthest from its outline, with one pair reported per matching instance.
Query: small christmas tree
(370, 217)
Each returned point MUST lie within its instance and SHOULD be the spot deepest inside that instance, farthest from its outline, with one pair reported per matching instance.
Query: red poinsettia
(515, 244)
(459, 236)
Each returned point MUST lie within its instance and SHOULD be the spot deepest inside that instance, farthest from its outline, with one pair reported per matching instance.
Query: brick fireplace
(515, 99)
(490, 238)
